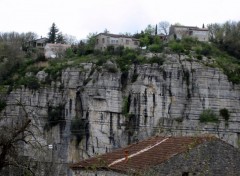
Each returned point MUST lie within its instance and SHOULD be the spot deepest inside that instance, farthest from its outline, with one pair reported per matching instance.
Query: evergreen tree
(52, 35)
(60, 38)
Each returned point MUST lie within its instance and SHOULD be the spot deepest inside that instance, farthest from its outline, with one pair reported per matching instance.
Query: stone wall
(212, 158)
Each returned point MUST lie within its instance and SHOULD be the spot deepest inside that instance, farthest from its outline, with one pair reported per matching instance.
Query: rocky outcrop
(93, 110)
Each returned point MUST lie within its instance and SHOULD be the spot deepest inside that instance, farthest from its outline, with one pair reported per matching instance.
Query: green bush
(177, 47)
(155, 48)
(126, 105)
(208, 116)
(30, 82)
(224, 113)
(156, 59)
(69, 53)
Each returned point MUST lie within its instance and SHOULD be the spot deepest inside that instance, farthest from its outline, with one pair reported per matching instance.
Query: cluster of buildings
(104, 40)
(158, 155)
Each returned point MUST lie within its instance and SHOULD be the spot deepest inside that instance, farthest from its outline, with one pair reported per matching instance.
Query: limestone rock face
(102, 110)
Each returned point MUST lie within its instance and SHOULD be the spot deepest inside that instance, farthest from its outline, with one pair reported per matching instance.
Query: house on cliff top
(179, 32)
(103, 40)
(159, 155)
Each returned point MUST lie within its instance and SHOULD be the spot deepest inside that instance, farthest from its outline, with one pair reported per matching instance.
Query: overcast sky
(80, 17)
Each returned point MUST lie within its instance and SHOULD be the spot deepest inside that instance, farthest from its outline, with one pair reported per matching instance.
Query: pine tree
(52, 35)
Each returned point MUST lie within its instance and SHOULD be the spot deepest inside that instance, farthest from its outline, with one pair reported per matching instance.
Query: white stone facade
(189, 31)
(104, 40)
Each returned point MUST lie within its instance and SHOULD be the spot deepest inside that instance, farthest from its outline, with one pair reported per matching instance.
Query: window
(135, 43)
(97, 41)
(127, 42)
(103, 40)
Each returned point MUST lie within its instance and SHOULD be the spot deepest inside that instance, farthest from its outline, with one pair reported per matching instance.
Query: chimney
(126, 155)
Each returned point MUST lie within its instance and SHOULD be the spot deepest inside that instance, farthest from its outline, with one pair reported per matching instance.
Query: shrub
(155, 48)
(177, 47)
(119, 50)
(30, 82)
(156, 59)
(101, 61)
(69, 53)
(208, 116)
(126, 105)
(110, 49)
(224, 113)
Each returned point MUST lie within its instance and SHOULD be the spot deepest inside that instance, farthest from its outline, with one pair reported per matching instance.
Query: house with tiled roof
(179, 32)
(38, 43)
(103, 40)
(165, 156)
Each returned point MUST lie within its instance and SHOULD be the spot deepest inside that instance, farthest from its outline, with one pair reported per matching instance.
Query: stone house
(55, 50)
(183, 156)
(103, 40)
(180, 32)
(38, 43)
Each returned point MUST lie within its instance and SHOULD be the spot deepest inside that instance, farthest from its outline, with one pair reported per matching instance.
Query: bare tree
(70, 39)
(163, 27)
(17, 134)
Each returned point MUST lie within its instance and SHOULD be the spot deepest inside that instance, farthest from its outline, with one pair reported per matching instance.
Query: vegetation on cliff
(19, 65)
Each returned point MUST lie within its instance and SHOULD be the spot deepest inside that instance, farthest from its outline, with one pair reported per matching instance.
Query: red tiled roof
(142, 155)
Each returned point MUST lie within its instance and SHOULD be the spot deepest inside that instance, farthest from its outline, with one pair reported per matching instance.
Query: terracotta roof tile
(144, 154)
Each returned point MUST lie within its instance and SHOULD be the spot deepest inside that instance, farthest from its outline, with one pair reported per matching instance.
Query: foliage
(156, 59)
(129, 57)
(69, 53)
(30, 82)
(224, 113)
(155, 48)
(126, 106)
(226, 37)
(54, 69)
(177, 47)
(208, 116)
(52, 35)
